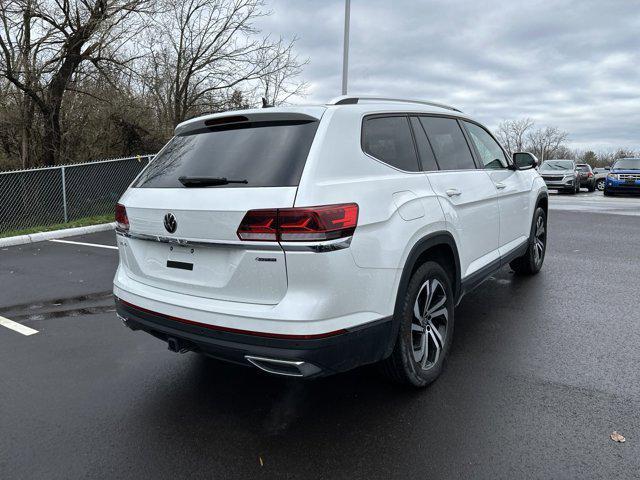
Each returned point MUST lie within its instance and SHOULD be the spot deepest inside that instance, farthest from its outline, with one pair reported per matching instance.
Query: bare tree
(43, 44)
(280, 83)
(545, 142)
(589, 157)
(607, 158)
(623, 153)
(513, 133)
(22, 59)
(200, 50)
(8, 108)
(565, 152)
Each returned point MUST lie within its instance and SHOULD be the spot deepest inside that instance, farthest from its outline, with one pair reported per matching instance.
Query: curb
(66, 232)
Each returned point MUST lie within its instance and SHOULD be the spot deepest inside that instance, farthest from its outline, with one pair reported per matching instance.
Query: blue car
(624, 177)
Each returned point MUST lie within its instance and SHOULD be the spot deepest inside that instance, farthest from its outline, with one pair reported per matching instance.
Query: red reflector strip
(234, 330)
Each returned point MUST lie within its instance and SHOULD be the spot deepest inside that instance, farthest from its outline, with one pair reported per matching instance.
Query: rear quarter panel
(340, 172)
(396, 209)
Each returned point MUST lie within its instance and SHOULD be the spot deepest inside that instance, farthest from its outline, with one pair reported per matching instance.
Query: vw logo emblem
(170, 223)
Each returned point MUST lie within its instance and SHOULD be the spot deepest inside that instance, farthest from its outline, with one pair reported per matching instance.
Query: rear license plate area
(180, 265)
(181, 258)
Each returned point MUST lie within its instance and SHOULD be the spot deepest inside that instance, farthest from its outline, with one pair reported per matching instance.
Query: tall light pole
(345, 52)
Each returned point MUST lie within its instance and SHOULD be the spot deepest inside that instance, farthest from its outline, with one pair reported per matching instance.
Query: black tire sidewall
(532, 239)
(414, 374)
(526, 264)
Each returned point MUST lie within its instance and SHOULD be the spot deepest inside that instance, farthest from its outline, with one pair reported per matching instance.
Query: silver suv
(561, 175)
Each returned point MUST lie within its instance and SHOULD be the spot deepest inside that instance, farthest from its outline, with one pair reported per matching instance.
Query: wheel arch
(439, 246)
(542, 201)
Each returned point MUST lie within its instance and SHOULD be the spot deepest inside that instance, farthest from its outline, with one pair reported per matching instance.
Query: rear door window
(427, 158)
(389, 140)
(449, 144)
(265, 154)
(490, 152)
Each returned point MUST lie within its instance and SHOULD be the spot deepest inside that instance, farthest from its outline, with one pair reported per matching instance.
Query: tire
(600, 184)
(607, 193)
(422, 344)
(592, 187)
(573, 191)
(531, 262)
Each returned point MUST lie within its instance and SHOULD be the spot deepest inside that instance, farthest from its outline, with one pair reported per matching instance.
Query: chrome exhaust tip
(123, 320)
(287, 368)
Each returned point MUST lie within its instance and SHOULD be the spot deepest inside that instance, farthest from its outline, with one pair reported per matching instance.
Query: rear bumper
(318, 355)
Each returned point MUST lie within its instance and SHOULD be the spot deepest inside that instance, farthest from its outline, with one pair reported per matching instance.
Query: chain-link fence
(47, 196)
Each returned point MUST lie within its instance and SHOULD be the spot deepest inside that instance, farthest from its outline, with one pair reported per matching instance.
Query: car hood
(555, 172)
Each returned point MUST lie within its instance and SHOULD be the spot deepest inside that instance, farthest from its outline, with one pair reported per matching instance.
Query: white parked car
(310, 240)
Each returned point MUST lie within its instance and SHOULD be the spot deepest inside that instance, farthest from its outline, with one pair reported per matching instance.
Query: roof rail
(351, 100)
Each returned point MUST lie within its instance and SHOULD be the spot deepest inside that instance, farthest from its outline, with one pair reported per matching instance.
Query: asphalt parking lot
(541, 372)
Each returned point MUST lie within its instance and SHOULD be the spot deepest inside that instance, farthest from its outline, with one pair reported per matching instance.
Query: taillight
(122, 221)
(590, 174)
(317, 223)
(305, 224)
(259, 225)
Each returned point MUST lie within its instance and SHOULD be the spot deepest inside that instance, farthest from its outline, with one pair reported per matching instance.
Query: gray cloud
(574, 64)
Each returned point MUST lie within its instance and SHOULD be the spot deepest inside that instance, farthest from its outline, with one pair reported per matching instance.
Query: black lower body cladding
(331, 354)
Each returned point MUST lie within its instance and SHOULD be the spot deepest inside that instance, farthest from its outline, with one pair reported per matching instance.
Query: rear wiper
(207, 181)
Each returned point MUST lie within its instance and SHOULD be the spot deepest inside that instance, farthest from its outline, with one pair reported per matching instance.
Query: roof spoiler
(231, 118)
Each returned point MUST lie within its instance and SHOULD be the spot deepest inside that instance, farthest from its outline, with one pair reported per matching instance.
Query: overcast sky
(574, 64)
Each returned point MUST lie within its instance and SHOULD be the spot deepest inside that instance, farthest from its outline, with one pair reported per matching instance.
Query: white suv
(310, 240)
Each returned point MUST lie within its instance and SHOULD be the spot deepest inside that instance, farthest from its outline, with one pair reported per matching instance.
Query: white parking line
(85, 244)
(17, 327)
(595, 203)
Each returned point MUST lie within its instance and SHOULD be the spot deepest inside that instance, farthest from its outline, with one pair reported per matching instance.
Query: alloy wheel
(539, 240)
(600, 185)
(429, 323)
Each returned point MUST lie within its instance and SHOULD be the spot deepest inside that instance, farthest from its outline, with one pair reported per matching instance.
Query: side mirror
(607, 168)
(524, 160)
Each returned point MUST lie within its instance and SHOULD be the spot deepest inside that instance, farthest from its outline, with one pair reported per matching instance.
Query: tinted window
(389, 139)
(425, 152)
(266, 154)
(490, 152)
(583, 168)
(448, 142)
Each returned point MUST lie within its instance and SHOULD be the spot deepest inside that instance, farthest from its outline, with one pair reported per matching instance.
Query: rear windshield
(583, 168)
(265, 154)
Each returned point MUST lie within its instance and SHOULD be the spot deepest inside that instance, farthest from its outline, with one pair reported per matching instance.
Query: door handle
(453, 192)
(500, 186)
